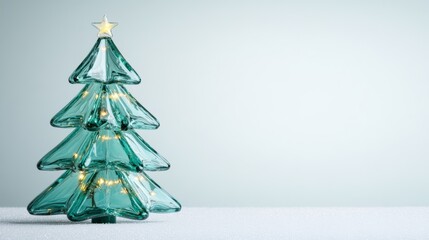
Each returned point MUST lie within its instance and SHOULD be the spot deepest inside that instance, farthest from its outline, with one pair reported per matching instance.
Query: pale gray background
(261, 103)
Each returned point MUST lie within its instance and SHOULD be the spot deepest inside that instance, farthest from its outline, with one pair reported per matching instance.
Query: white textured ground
(229, 223)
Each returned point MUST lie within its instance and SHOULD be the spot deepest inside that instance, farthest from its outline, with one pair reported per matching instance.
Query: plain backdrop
(261, 103)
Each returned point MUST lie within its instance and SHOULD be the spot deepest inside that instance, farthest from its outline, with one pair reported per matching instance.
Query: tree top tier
(105, 64)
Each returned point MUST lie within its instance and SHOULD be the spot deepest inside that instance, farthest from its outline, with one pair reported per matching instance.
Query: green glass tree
(104, 157)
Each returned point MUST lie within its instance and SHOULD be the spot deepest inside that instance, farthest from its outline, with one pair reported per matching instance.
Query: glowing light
(103, 48)
(75, 155)
(84, 94)
(83, 187)
(103, 113)
(139, 178)
(152, 193)
(105, 27)
(96, 96)
(105, 138)
(105, 182)
(124, 191)
(115, 96)
(100, 181)
(81, 175)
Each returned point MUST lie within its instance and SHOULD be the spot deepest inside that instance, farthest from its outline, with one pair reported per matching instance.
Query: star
(105, 27)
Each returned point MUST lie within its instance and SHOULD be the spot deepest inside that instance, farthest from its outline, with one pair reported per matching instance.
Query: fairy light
(100, 181)
(115, 96)
(105, 138)
(103, 112)
(139, 178)
(75, 155)
(84, 94)
(124, 191)
(81, 175)
(103, 48)
(152, 193)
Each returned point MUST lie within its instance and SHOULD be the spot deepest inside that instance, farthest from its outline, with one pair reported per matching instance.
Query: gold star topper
(105, 27)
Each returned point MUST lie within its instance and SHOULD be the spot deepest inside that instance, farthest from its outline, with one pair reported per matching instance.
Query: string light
(75, 155)
(104, 182)
(115, 96)
(103, 112)
(139, 178)
(105, 138)
(84, 94)
(100, 181)
(81, 175)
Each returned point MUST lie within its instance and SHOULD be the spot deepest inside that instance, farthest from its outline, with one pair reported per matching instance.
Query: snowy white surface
(229, 223)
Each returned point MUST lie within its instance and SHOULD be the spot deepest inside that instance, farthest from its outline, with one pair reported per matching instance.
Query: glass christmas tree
(104, 157)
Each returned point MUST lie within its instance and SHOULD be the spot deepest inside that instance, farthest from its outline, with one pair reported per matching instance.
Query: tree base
(107, 219)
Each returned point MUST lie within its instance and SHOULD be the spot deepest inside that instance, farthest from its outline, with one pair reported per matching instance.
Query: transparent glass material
(104, 158)
(104, 106)
(105, 64)
(103, 192)
(84, 150)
